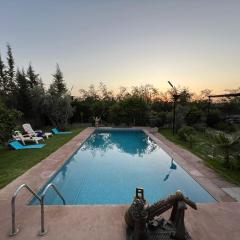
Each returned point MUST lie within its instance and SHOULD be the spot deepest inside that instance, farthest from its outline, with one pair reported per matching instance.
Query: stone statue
(97, 120)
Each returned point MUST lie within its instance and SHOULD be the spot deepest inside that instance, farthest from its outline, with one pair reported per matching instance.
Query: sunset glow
(125, 43)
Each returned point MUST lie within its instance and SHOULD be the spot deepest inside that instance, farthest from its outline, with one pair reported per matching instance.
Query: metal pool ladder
(42, 231)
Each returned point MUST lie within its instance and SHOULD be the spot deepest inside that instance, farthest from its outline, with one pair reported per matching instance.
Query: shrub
(157, 119)
(213, 118)
(193, 116)
(226, 143)
(180, 116)
(8, 121)
(200, 127)
(186, 131)
(191, 139)
(227, 127)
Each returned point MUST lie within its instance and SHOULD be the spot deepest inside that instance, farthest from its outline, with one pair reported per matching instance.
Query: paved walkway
(219, 221)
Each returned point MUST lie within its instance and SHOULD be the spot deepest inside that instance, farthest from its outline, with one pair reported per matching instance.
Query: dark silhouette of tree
(23, 93)
(32, 77)
(8, 121)
(2, 76)
(10, 72)
(58, 87)
(57, 102)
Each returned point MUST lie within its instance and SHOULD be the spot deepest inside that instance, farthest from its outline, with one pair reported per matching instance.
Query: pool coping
(39, 174)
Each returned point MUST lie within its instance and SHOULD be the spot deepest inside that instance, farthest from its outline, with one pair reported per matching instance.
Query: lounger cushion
(18, 146)
(57, 132)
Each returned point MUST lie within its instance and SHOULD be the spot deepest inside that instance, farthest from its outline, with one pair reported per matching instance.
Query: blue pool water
(109, 166)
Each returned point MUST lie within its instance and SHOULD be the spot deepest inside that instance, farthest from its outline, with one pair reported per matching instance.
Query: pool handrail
(43, 231)
(15, 230)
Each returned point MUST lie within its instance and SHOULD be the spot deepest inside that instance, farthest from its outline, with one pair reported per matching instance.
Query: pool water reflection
(111, 164)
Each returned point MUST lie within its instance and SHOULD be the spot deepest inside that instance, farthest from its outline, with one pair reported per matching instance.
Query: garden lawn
(14, 163)
(202, 149)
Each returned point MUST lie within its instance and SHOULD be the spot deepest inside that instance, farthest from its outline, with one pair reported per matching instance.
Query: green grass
(14, 163)
(202, 150)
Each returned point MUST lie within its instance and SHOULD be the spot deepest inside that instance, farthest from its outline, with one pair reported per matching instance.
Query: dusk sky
(124, 43)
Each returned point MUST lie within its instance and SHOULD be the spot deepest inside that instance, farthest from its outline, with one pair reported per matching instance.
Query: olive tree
(57, 102)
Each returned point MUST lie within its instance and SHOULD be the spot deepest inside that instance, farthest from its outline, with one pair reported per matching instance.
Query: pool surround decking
(212, 221)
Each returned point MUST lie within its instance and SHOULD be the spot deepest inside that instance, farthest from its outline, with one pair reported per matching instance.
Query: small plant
(157, 119)
(225, 143)
(191, 139)
(185, 132)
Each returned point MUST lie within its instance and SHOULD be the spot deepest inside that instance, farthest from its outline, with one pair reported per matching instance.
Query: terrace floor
(104, 222)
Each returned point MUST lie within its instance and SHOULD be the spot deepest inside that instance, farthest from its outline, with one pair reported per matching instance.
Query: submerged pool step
(14, 230)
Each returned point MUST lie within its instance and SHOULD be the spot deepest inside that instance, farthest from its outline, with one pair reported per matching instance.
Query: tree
(136, 110)
(181, 111)
(185, 96)
(10, 72)
(116, 114)
(23, 93)
(147, 92)
(58, 109)
(2, 76)
(106, 94)
(122, 93)
(32, 76)
(8, 121)
(57, 102)
(97, 109)
(37, 94)
(58, 87)
(193, 116)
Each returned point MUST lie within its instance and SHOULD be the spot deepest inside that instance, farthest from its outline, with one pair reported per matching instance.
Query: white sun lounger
(26, 138)
(28, 129)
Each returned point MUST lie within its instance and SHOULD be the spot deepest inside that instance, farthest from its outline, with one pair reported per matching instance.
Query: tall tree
(11, 86)
(57, 103)
(58, 87)
(32, 76)
(23, 93)
(2, 76)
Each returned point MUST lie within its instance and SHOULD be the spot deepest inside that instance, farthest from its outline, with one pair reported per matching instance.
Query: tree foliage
(57, 102)
(58, 87)
(58, 109)
(23, 93)
(193, 116)
(8, 121)
(33, 78)
(10, 72)
(226, 143)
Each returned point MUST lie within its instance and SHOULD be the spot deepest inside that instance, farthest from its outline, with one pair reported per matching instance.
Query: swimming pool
(109, 166)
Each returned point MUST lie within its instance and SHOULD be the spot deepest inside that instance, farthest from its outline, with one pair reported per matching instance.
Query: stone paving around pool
(218, 221)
